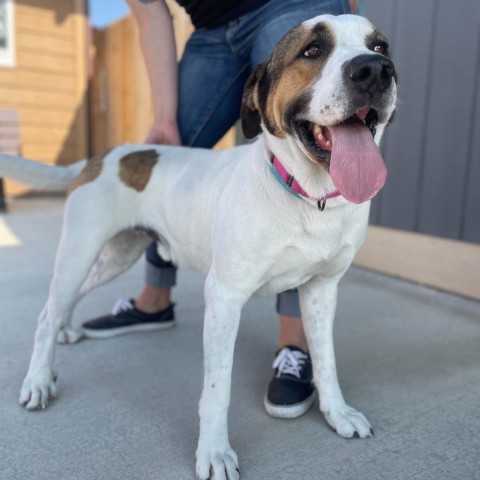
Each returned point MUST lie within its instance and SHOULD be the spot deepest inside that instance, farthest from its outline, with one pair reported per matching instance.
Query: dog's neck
(290, 183)
(313, 178)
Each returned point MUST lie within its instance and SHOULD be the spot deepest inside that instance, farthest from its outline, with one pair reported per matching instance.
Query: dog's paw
(215, 463)
(69, 335)
(348, 422)
(37, 390)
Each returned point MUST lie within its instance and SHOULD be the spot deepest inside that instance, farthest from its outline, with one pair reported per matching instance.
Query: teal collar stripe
(282, 183)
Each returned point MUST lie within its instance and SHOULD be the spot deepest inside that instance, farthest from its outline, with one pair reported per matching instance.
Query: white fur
(224, 214)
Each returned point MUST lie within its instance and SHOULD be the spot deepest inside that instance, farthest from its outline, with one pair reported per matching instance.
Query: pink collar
(289, 182)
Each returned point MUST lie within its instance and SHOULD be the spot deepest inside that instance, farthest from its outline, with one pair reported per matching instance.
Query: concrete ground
(408, 358)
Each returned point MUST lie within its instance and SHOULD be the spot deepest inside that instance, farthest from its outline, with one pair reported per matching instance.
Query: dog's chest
(315, 248)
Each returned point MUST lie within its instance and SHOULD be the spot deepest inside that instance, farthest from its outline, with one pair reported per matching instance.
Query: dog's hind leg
(76, 254)
(318, 300)
(117, 256)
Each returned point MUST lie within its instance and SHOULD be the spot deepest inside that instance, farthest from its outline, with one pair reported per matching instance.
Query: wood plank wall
(48, 83)
(121, 107)
(432, 149)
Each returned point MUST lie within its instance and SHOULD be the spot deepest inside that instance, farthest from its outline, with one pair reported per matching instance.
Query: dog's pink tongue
(356, 164)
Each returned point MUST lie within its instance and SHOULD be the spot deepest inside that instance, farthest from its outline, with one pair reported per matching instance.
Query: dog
(288, 210)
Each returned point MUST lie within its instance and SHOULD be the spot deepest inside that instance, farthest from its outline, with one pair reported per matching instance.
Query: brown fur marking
(92, 170)
(136, 168)
(291, 75)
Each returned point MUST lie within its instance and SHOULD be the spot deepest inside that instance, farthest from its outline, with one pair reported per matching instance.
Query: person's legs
(204, 118)
(211, 81)
(160, 277)
(212, 73)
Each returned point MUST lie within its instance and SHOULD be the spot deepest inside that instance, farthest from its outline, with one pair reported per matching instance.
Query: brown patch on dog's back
(92, 170)
(136, 168)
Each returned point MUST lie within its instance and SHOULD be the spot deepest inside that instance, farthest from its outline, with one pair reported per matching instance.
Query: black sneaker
(125, 318)
(291, 391)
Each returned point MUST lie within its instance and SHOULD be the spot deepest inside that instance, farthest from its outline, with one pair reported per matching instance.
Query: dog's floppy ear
(249, 111)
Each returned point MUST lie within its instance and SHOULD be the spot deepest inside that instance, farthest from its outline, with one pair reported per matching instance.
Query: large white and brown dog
(288, 210)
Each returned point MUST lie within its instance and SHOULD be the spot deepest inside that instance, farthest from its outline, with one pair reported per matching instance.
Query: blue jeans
(212, 73)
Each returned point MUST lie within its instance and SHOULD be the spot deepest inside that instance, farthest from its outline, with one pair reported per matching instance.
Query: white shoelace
(121, 305)
(289, 361)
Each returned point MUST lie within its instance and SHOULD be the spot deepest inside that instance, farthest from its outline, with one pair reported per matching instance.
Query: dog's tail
(38, 175)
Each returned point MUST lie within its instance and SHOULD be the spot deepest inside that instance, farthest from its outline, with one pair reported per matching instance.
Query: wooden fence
(121, 108)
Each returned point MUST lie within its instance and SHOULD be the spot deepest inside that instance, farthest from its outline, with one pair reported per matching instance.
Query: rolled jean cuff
(288, 303)
(160, 277)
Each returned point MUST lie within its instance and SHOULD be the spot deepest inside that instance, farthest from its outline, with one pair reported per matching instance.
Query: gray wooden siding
(432, 149)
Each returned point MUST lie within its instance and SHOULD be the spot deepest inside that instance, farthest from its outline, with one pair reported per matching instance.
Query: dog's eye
(380, 48)
(312, 50)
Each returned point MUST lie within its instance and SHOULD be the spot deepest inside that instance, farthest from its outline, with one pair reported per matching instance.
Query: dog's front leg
(318, 300)
(215, 457)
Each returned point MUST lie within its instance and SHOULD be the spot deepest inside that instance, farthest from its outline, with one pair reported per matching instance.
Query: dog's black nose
(370, 73)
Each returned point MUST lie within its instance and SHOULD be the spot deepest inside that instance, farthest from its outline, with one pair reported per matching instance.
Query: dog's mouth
(349, 153)
(317, 139)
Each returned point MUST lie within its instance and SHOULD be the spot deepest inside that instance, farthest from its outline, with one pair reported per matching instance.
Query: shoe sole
(289, 411)
(115, 332)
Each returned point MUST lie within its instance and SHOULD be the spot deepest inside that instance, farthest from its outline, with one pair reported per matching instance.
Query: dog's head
(326, 94)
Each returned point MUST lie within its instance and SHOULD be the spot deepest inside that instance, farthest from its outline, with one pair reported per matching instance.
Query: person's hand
(165, 133)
